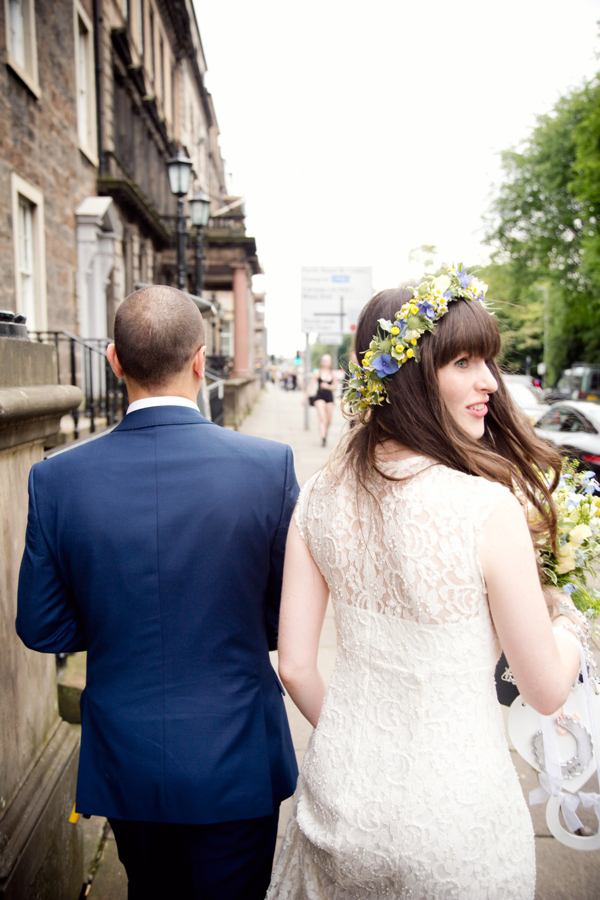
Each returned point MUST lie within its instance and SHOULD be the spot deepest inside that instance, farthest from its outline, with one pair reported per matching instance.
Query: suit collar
(161, 415)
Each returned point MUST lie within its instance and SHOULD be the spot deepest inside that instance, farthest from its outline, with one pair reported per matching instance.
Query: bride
(407, 789)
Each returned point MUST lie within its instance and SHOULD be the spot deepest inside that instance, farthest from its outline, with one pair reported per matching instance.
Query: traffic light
(298, 357)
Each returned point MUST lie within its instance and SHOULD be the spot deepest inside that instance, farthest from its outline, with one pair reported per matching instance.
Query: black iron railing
(215, 386)
(83, 363)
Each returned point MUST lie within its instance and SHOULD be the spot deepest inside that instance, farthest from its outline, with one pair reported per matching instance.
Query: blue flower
(385, 365)
(569, 587)
(463, 278)
(426, 309)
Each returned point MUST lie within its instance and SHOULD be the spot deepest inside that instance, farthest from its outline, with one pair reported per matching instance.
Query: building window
(21, 43)
(227, 338)
(29, 253)
(161, 64)
(85, 80)
(173, 88)
(127, 11)
(152, 53)
(141, 30)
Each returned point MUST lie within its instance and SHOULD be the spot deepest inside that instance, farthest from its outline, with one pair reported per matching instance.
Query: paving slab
(110, 880)
(280, 416)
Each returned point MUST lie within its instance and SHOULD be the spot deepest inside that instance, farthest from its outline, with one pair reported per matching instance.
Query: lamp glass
(179, 168)
(200, 209)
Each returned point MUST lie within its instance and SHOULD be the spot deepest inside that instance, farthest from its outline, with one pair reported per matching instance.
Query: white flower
(566, 559)
(441, 283)
(579, 534)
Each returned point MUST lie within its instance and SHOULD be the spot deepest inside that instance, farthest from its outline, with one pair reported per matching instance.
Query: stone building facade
(96, 96)
(44, 173)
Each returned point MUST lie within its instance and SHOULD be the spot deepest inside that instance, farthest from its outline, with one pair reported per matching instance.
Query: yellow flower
(579, 534)
(410, 353)
(394, 330)
(414, 342)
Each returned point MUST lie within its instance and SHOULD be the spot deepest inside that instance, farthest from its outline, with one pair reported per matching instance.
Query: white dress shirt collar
(147, 402)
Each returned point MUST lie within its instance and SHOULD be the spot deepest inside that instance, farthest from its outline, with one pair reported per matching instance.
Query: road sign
(334, 340)
(332, 297)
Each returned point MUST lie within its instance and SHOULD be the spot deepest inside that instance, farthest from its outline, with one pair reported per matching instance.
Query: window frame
(88, 143)
(28, 73)
(141, 27)
(21, 188)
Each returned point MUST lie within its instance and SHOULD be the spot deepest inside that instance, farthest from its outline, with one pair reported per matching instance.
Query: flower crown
(396, 342)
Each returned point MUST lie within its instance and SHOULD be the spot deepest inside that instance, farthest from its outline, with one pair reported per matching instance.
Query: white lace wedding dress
(407, 789)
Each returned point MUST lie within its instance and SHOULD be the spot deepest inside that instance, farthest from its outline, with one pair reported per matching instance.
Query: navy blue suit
(159, 549)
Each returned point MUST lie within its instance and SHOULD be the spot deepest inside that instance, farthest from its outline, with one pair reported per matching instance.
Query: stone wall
(40, 852)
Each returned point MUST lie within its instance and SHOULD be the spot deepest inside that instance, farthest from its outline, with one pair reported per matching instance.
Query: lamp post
(179, 167)
(200, 213)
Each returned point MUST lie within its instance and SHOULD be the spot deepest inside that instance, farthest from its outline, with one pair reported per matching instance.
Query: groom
(159, 549)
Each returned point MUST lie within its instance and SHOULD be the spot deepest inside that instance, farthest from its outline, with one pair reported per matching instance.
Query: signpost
(332, 298)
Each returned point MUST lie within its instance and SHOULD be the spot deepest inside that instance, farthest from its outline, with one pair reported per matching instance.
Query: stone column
(41, 854)
(241, 324)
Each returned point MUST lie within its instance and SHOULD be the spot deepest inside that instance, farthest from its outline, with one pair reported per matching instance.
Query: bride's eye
(462, 363)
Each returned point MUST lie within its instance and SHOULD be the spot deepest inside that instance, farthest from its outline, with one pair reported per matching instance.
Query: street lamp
(200, 213)
(179, 168)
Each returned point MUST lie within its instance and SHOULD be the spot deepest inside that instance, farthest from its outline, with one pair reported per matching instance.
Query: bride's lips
(477, 409)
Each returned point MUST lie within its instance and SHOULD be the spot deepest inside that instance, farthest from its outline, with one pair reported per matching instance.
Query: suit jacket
(159, 549)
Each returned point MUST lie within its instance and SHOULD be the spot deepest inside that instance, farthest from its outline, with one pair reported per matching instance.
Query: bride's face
(465, 384)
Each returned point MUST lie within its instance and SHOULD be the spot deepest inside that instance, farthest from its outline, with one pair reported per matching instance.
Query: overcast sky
(358, 131)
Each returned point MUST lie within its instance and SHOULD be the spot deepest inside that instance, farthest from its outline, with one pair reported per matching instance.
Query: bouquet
(578, 532)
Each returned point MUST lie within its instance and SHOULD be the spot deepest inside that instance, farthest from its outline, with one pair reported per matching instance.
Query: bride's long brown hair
(417, 417)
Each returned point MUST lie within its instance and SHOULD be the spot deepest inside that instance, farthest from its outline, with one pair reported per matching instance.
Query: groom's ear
(113, 360)
(199, 362)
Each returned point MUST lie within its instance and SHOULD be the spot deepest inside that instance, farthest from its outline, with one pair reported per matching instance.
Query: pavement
(562, 873)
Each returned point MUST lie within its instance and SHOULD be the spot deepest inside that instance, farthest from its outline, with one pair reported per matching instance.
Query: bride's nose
(486, 381)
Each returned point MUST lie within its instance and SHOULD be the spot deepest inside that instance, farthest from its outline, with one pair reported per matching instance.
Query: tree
(546, 233)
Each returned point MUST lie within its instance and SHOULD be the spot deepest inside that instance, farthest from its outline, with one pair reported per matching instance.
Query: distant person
(324, 379)
(407, 790)
(159, 549)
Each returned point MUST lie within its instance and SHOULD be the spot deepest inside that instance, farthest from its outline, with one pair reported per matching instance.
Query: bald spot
(158, 330)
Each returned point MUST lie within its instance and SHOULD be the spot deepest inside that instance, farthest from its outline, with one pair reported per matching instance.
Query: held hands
(554, 598)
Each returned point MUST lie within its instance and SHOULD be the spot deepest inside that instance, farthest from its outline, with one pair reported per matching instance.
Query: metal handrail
(216, 394)
(105, 394)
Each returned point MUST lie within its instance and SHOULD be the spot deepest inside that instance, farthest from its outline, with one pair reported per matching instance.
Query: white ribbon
(589, 798)
(551, 787)
(551, 779)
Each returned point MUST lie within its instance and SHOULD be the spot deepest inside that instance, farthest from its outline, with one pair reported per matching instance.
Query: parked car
(526, 398)
(574, 426)
(528, 380)
(580, 382)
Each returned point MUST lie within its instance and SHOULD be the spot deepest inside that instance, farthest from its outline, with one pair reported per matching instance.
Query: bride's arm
(543, 663)
(303, 603)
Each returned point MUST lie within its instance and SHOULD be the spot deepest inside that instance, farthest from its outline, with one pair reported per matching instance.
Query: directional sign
(332, 297)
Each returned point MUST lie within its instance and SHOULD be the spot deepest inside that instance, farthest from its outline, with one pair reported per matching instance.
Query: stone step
(70, 683)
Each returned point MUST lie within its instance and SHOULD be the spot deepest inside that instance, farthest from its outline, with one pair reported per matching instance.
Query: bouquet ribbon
(551, 779)
(589, 798)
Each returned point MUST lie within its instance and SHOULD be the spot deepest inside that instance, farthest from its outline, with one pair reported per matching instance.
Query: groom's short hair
(157, 331)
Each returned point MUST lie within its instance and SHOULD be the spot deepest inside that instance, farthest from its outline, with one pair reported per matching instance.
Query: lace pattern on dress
(407, 789)
(409, 550)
